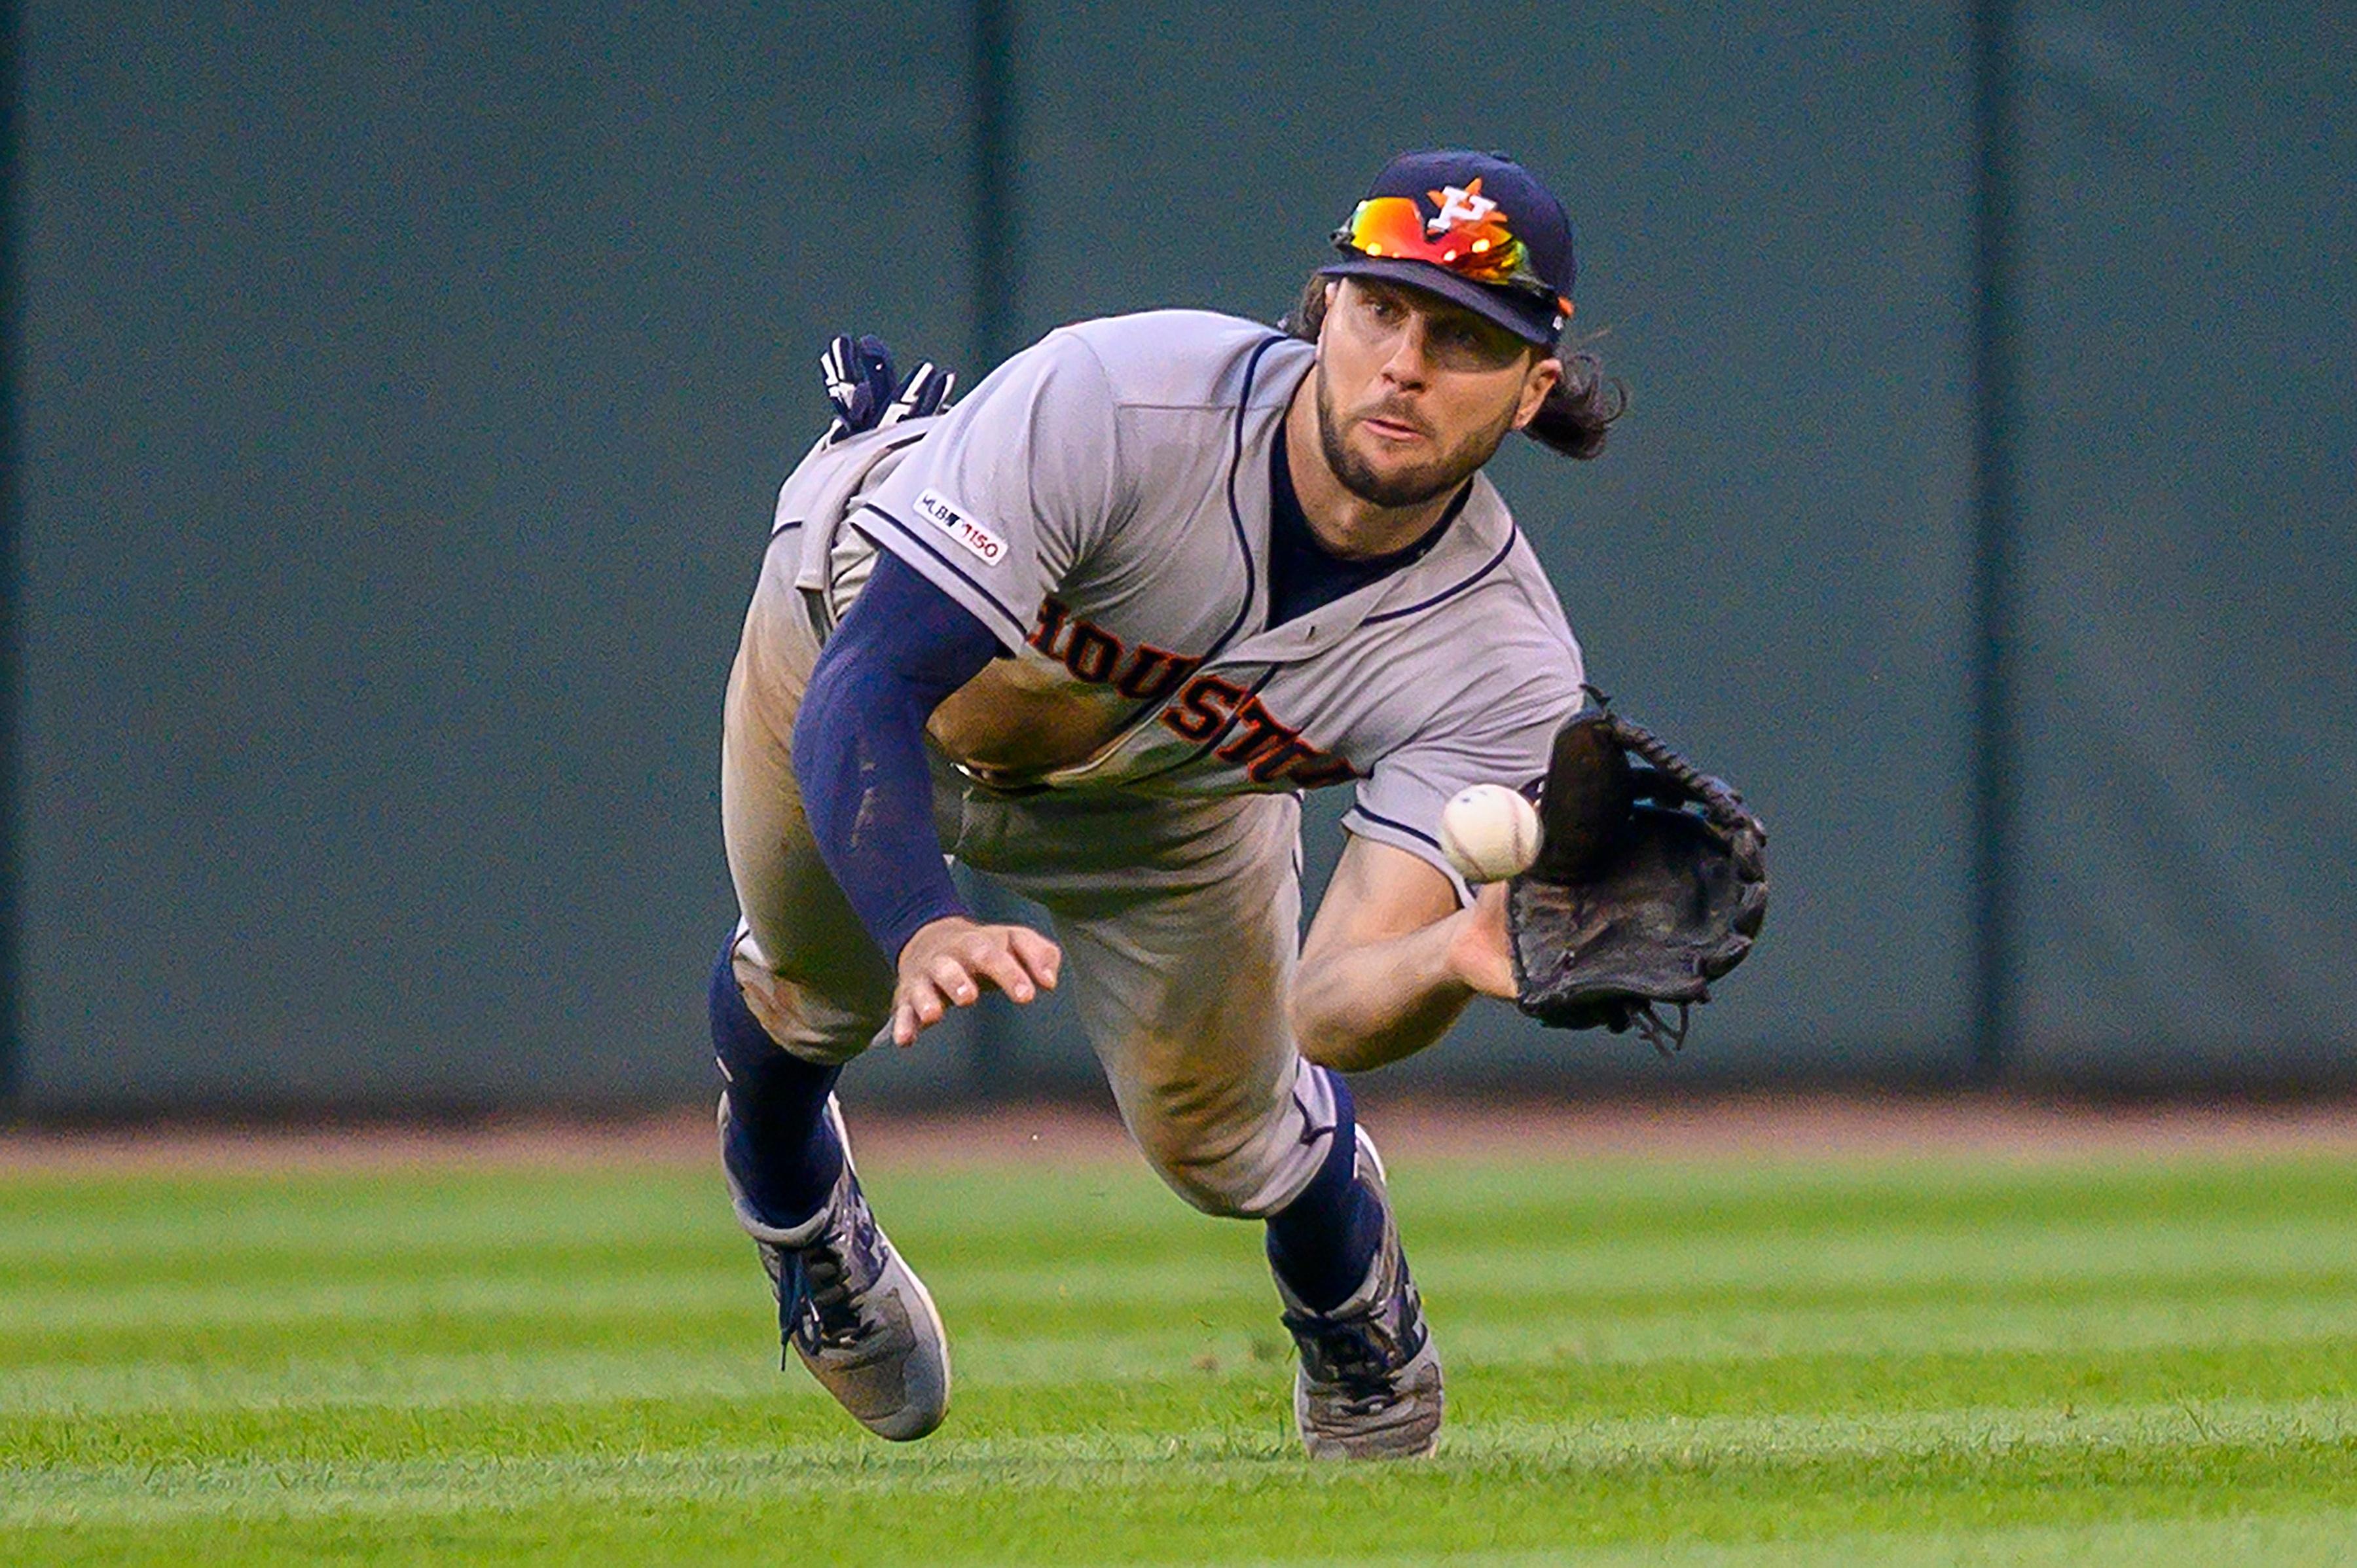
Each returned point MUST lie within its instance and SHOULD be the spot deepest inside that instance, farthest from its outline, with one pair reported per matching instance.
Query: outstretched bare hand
(948, 961)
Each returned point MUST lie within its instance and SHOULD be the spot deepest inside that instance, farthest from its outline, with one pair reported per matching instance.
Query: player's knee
(1213, 1185)
(1230, 1159)
(753, 1007)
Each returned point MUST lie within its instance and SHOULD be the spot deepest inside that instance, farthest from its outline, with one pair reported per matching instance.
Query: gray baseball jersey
(1102, 503)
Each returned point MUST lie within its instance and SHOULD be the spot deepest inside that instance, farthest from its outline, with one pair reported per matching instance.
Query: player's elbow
(1314, 1031)
(1330, 1037)
(1342, 1052)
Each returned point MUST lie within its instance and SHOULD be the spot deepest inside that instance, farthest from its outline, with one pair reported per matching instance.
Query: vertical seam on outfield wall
(13, 806)
(995, 233)
(994, 196)
(1994, 502)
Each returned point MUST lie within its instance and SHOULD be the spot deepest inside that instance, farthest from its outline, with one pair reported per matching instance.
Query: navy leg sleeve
(1323, 1243)
(780, 1147)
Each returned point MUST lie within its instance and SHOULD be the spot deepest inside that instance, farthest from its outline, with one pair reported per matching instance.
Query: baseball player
(1091, 632)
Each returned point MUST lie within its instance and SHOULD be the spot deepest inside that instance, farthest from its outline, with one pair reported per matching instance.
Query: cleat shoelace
(1354, 1354)
(814, 1286)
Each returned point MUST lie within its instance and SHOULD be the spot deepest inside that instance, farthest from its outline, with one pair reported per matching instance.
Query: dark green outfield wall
(2191, 540)
(402, 399)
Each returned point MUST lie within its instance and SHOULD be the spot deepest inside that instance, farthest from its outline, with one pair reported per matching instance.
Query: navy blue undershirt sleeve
(859, 748)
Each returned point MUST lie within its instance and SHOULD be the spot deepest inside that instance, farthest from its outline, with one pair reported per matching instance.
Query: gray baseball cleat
(859, 1317)
(1368, 1383)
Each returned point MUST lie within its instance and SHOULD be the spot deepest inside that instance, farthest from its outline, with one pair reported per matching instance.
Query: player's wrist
(951, 920)
(1476, 956)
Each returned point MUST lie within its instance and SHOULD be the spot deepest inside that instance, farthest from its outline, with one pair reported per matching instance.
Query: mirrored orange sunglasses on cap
(1482, 249)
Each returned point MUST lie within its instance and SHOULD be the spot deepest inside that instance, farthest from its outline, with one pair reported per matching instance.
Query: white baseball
(1490, 832)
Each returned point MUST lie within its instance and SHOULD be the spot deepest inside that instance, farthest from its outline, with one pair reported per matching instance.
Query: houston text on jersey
(1268, 750)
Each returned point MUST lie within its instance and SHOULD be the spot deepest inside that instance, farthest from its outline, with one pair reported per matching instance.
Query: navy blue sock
(1323, 1243)
(780, 1147)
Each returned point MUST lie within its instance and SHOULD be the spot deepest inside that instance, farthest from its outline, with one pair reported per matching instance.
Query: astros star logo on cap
(1458, 206)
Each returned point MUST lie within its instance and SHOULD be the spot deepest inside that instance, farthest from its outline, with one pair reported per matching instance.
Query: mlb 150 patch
(954, 521)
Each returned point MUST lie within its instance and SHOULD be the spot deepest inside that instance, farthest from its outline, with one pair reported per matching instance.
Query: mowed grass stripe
(259, 1229)
(2325, 1539)
(563, 1407)
(593, 1311)
(434, 1360)
(95, 1222)
(2096, 1245)
(2094, 1249)
(1173, 1505)
(1228, 1449)
(1231, 1442)
(1913, 1269)
(406, 1378)
(1920, 1299)
(1097, 1206)
(719, 1306)
(732, 1308)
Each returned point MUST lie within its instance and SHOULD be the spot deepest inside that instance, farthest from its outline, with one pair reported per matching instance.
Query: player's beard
(1406, 486)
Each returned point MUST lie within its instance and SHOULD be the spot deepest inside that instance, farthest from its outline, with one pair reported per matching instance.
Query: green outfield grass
(1649, 1361)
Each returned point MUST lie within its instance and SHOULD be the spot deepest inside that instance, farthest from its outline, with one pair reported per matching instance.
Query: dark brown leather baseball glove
(1652, 882)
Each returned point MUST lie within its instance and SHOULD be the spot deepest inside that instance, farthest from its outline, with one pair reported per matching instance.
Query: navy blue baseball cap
(1477, 229)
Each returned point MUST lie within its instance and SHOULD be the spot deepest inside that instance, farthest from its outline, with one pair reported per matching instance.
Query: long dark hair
(1579, 411)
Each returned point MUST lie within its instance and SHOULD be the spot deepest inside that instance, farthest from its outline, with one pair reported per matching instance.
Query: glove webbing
(1721, 806)
(1691, 782)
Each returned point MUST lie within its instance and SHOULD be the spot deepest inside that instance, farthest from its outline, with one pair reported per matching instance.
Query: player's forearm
(1373, 1002)
(860, 766)
(859, 751)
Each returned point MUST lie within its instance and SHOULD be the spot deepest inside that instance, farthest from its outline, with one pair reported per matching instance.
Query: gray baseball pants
(1179, 921)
